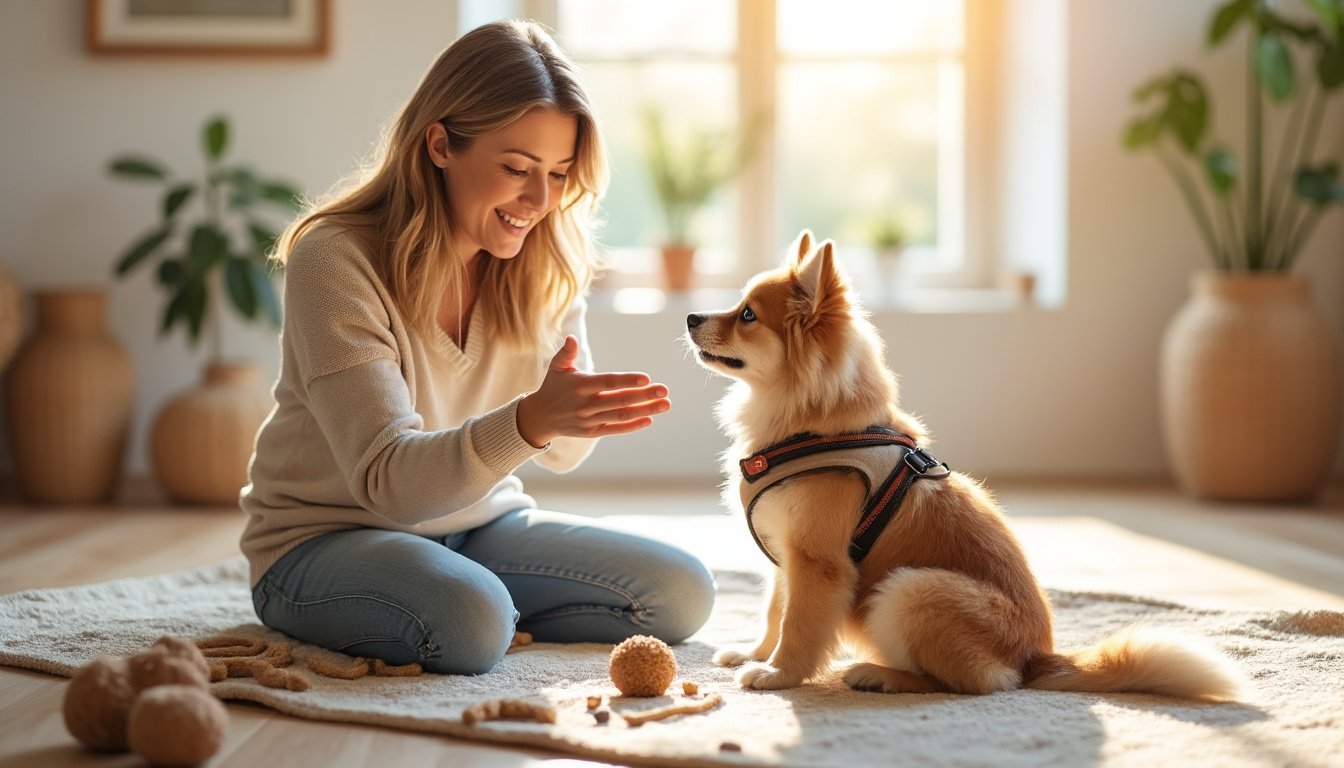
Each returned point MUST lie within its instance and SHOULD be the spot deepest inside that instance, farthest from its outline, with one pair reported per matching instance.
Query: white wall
(1047, 392)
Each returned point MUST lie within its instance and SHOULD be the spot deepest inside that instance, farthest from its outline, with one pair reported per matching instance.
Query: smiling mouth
(730, 362)
(511, 221)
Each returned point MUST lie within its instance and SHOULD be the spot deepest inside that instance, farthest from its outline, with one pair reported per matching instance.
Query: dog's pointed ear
(818, 276)
(802, 246)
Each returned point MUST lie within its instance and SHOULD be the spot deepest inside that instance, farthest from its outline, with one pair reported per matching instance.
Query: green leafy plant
(687, 173)
(887, 233)
(225, 245)
(1253, 215)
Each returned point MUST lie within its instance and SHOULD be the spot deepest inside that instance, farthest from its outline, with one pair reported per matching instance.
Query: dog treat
(642, 666)
(176, 725)
(636, 719)
(97, 702)
(730, 746)
(602, 716)
(690, 688)
(520, 639)
(231, 645)
(594, 702)
(507, 709)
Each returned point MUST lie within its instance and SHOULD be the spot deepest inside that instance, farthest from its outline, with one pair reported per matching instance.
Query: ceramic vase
(68, 402)
(678, 267)
(202, 439)
(1251, 389)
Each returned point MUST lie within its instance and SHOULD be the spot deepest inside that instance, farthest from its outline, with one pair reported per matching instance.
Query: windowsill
(963, 301)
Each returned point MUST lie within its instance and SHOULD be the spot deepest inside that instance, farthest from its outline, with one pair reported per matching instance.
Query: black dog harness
(888, 461)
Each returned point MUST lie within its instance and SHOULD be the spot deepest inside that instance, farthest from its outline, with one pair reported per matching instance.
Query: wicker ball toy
(176, 725)
(157, 667)
(97, 703)
(642, 666)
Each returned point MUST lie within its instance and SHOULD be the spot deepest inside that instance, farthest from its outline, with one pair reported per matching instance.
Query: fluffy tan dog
(943, 599)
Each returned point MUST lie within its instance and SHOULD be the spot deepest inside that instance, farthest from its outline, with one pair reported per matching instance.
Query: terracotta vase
(202, 439)
(1251, 389)
(678, 267)
(68, 402)
(11, 317)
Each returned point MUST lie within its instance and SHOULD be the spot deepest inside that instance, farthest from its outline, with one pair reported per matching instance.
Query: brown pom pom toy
(642, 666)
(176, 725)
(97, 702)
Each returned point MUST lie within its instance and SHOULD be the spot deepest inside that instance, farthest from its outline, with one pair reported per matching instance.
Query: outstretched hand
(572, 403)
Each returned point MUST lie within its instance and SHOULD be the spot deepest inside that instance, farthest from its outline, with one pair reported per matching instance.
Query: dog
(942, 598)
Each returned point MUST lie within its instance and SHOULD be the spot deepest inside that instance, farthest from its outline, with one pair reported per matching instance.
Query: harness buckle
(921, 461)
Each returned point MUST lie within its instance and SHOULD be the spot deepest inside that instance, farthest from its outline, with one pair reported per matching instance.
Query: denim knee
(684, 599)
(470, 631)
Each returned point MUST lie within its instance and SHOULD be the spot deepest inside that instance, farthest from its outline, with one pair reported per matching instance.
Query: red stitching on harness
(881, 505)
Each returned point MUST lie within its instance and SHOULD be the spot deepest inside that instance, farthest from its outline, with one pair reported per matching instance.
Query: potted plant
(685, 175)
(887, 235)
(211, 245)
(1250, 371)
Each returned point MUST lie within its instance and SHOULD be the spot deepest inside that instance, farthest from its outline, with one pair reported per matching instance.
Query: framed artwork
(209, 27)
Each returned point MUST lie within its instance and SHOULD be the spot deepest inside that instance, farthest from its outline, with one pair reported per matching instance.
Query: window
(868, 110)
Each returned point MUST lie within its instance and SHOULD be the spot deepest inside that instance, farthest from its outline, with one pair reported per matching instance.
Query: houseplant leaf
(142, 249)
(265, 290)
(281, 194)
(1330, 64)
(1319, 185)
(137, 168)
(1227, 17)
(238, 279)
(176, 198)
(205, 248)
(188, 306)
(1221, 169)
(1331, 13)
(171, 274)
(216, 138)
(1274, 64)
(263, 240)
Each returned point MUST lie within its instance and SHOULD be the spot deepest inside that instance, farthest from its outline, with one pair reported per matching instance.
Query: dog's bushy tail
(1141, 659)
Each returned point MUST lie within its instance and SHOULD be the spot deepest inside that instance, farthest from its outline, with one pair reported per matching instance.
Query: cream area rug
(1294, 717)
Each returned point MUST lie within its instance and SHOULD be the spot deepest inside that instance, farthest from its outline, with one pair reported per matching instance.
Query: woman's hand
(571, 403)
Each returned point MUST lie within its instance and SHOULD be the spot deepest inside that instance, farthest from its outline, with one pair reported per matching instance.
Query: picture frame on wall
(295, 28)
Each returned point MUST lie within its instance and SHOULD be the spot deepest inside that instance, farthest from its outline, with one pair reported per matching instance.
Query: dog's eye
(747, 315)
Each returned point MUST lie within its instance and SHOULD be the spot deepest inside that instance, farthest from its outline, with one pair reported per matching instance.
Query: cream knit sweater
(376, 426)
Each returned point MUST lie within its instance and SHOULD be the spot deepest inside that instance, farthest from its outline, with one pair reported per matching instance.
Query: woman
(423, 311)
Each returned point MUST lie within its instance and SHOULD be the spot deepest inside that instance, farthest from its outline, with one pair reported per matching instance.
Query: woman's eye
(560, 177)
(747, 315)
(513, 171)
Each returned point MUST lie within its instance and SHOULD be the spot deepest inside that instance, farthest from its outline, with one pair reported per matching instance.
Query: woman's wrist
(527, 423)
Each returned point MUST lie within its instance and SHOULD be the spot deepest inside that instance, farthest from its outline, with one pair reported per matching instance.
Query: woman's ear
(436, 144)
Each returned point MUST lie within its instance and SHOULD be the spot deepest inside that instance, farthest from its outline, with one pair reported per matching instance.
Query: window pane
(691, 96)
(859, 27)
(858, 141)
(616, 28)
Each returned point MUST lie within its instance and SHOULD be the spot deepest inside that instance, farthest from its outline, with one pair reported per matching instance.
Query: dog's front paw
(764, 677)
(734, 656)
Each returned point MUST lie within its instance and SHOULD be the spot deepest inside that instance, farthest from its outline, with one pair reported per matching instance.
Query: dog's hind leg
(875, 677)
(946, 625)
(733, 656)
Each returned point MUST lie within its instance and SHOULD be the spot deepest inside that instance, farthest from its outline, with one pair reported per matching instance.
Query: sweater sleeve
(393, 467)
(567, 453)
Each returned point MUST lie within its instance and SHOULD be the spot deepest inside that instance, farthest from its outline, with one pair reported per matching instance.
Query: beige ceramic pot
(1251, 389)
(202, 439)
(68, 402)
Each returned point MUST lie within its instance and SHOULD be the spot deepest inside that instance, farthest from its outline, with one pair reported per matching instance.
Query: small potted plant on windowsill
(219, 253)
(685, 175)
(1249, 355)
(888, 236)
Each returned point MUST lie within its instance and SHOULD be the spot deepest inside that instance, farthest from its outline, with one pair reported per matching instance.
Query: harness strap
(916, 464)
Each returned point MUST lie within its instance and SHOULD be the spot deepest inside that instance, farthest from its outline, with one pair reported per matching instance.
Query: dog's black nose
(693, 320)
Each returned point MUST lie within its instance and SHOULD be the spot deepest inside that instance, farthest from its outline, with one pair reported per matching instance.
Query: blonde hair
(398, 207)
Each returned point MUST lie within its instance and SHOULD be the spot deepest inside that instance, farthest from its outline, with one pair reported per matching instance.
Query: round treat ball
(183, 649)
(642, 666)
(160, 667)
(177, 725)
(97, 701)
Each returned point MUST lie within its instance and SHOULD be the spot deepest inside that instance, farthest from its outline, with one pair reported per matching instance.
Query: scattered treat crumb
(690, 688)
(636, 719)
(730, 746)
(642, 666)
(602, 716)
(507, 709)
(520, 639)
(594, 702)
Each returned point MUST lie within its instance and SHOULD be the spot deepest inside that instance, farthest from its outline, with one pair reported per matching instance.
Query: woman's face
(501, 186)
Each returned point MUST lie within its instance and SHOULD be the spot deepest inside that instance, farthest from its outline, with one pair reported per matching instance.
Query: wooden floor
(1143, 540)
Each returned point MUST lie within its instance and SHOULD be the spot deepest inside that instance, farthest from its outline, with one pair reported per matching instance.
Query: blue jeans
(452, 603)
